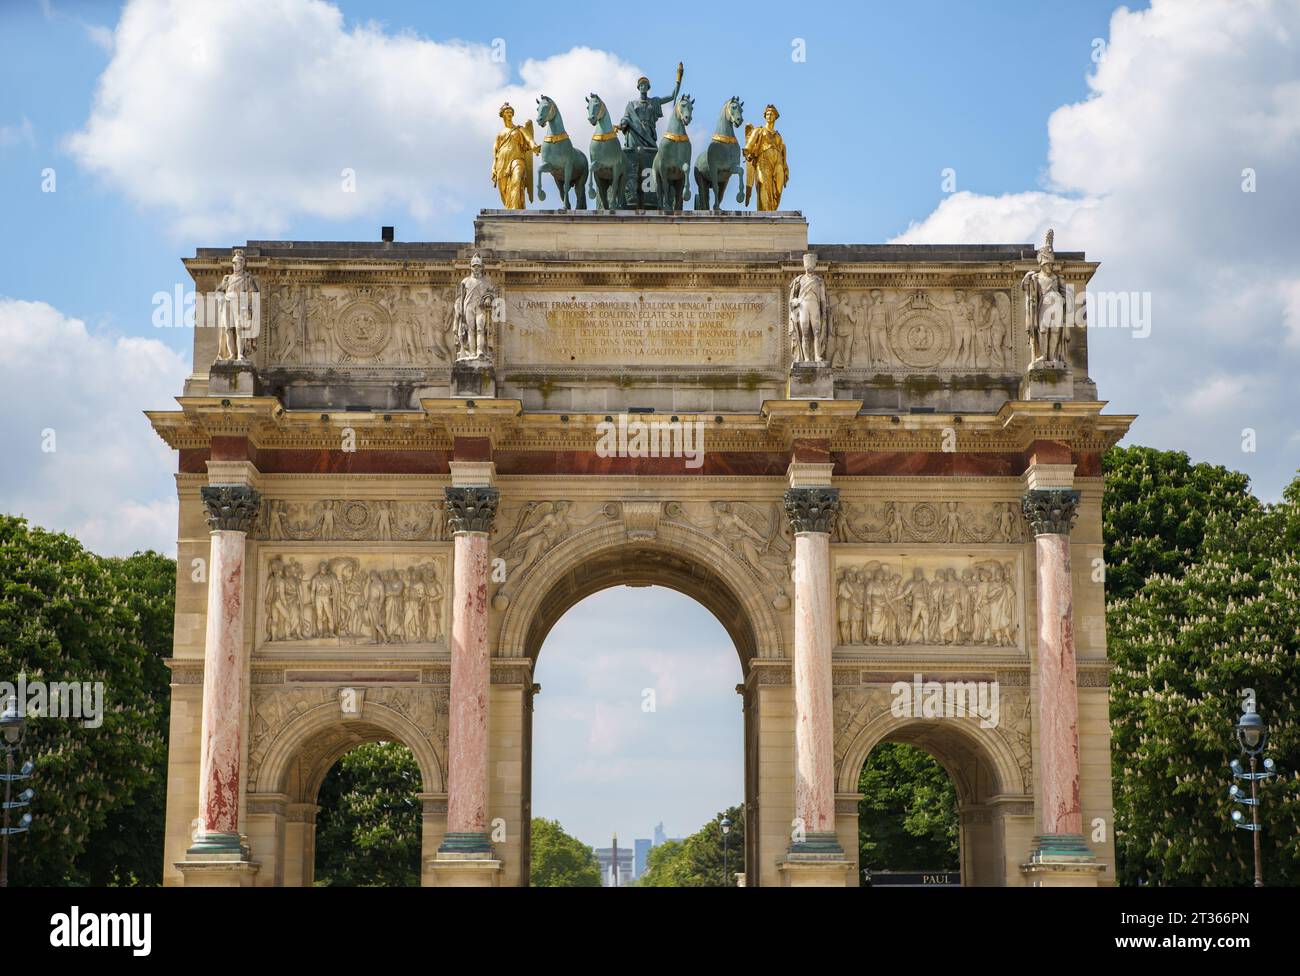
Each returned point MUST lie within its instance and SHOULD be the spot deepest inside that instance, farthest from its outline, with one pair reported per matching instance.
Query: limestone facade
(352, 430)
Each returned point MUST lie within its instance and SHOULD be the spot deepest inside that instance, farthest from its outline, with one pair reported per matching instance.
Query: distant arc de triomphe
(376, 534)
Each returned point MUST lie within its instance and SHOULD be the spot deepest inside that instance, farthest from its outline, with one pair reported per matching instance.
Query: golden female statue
(765, 153)
(512, 160)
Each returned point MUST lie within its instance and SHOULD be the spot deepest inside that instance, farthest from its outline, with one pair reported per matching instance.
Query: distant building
(627, 872)
(641, 849)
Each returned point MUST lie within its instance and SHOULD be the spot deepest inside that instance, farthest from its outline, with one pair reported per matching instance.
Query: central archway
(680, 558)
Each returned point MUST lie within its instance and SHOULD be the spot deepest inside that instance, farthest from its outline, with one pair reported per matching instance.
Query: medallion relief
(920, 330)
(369, 325)
(940, 521)
(352, 519)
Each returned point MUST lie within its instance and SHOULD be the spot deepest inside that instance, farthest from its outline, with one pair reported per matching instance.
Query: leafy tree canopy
(560, 860)
(368, 828)
(67, 615)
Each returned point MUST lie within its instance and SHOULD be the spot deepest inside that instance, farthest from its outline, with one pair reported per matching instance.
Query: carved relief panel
(366, 325)
(908, 331)
(323, 598)
(938, 521)
(928, 599)
(330, 519)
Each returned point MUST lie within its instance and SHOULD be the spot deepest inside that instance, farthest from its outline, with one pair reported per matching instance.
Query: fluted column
(470, 511)
(1050, 513)
(231, 510)
(812, 513)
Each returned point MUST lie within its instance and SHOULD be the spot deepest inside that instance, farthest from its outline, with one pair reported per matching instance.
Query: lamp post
(1252, 736)
(726, 829)
(12, 726)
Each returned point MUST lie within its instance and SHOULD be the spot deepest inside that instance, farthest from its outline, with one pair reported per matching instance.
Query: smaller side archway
(285, 784)
(983, 769)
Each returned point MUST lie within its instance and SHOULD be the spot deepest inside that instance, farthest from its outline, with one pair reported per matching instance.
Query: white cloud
(1146, 175)
(108, 480)
(237, 117)
(19, 133)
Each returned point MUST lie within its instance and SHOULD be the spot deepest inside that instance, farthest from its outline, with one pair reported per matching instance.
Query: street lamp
(12, 727)
(726, 829)
(1252, 735)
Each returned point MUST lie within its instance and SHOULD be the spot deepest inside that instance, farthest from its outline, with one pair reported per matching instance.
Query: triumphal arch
(879, 466)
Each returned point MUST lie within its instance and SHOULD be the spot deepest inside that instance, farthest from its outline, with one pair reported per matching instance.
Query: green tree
(368, 828)
(1185, 647)
(69, 615)
(907, 818)
(560, 860)
(697, 861)
(1155, 509)
(125, 850)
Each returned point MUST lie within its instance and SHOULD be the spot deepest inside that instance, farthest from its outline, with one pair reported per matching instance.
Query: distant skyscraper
(659, 834)
(641, 849)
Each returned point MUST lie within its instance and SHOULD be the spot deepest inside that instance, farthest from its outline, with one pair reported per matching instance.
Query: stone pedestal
(1047, 382)
(450, 869)
(230, 870)
(815, 856)
(233, 377)
(1061, 856)
(1061, 861)
(807, 871)
(466, 856)
(811, 381)
(473, 379)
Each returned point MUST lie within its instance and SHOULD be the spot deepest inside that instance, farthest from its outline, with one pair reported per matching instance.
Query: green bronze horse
(721, 159)
(608, 165)
(560, 157)
(672, 163)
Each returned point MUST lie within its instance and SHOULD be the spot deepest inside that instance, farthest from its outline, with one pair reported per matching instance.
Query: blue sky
(173, 126)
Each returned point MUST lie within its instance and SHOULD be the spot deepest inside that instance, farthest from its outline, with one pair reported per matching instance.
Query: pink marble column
(1050, 513)
(812, 514)
(231, 510)
(470, 512)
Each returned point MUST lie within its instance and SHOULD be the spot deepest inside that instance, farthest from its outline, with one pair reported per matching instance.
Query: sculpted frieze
(941, 521)
(367, 598)
(351, 519)
(931, 601)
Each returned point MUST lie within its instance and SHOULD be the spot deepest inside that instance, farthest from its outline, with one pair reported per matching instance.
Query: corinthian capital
(230, 508)
(812, 509)
(1050, 511)
(471, 509)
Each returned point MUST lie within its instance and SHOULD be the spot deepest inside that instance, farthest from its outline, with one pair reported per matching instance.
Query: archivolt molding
(678, 556)
(289, 724)
(863, 720)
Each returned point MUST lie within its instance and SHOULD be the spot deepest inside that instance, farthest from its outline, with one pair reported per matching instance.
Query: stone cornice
(267, 425)
(714, 270)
